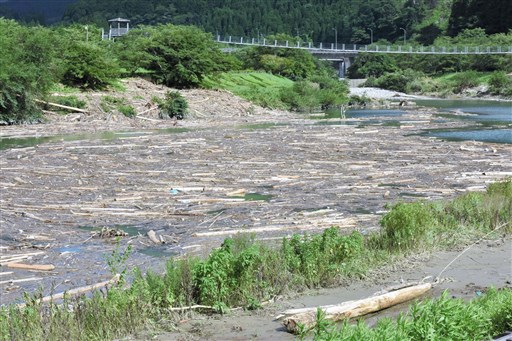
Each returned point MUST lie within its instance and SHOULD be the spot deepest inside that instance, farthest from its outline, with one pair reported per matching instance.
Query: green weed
(443, 318)
(127, 110)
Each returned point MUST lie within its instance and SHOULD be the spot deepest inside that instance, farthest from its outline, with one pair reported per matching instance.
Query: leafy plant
(71, 101)
(88, 66)
(174, 105)
(116, 261)
(127, 110)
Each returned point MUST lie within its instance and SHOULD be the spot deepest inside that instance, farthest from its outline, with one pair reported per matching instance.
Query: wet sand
(487, 264)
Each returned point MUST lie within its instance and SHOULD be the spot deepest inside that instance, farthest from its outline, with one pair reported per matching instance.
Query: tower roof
(119, 20)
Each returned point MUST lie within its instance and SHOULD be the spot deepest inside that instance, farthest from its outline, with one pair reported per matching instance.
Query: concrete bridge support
(343, 66)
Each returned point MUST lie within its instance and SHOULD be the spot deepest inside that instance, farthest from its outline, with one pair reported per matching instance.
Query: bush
(465, 80)
(127, 110)
(173, 106)
(407, 225)
(70, 101)
(27, 70)
(500, 84)
(177, 56)
(88, 66)
(399, 81)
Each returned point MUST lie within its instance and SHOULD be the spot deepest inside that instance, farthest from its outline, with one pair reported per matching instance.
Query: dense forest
(352, 21)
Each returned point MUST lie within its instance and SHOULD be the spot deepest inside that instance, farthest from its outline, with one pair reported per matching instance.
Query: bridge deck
(348, 49)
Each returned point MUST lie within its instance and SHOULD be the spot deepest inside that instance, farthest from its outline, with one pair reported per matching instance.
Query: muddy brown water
(288, 177)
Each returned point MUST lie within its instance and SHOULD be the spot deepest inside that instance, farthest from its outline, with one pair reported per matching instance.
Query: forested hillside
(34, 11)
(316, 19)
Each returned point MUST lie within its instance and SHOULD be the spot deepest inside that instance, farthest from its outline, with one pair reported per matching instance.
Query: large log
(63, 106)
(37, 267)
(77, 291)
(307, 316)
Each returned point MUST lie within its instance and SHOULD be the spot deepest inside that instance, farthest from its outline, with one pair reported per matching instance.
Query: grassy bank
(276, 92)
(261, 88)
(244, 272)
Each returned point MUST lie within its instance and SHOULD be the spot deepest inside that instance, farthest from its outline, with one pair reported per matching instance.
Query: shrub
(88, 66)
(27, 70)
(173, 106)
(70, 101)
(500, 84)
(407, 225)
(465, 80)
(127, 110)
(177, 56)
(399, 81)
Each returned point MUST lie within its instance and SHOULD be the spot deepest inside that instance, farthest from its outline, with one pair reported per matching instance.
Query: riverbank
(229, 168)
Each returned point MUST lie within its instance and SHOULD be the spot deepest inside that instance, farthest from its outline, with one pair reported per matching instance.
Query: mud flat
(232, 171)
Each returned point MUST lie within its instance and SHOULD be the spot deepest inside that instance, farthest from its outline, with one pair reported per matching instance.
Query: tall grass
(244, 272)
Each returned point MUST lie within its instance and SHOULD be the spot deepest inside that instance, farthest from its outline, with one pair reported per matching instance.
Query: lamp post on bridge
(371, 36)
(405, 33)
(335, 38)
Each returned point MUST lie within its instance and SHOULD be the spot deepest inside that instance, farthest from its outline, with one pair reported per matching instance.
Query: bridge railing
(374, 48)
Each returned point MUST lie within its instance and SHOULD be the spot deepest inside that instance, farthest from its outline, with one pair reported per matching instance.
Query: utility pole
(371, 36)
(86, 33)
(335, 38)
(405, 34)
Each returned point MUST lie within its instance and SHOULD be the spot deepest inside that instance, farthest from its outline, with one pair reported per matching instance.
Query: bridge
(344, 54)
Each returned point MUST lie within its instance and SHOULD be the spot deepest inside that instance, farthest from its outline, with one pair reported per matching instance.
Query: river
(491, 121)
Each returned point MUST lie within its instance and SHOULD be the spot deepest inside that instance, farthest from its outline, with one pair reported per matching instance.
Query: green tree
(178, 56)
(27, 70)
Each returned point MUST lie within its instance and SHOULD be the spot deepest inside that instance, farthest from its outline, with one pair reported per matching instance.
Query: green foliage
(407, 225)
(177, 56)
(443, 318)
(399, 81)
(26, 70)
(320, 259)
(500, 84)
(127, 110)
(465, 80)
(88, 66)
(173, 105)
(290, 63)
(492, 16)
(70, 101)
(116, 261)
(372, 65)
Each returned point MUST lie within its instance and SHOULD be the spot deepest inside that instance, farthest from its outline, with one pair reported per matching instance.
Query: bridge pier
(343, 66)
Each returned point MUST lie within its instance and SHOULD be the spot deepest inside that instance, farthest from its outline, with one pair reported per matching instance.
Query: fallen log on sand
(307, 316)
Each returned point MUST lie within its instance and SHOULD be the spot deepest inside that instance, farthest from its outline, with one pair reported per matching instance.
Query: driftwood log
(37, 267)
(63, 106)
(307, 316)
(77, 291)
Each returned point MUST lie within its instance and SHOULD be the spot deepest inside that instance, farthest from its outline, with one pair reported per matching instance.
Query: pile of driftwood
(307, 317)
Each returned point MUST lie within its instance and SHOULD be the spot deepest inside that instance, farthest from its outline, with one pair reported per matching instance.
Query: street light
(335, 38)
(405, 33)
(371, 36)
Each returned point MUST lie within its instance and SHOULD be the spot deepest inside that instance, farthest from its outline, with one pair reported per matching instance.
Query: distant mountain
(41, 11)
